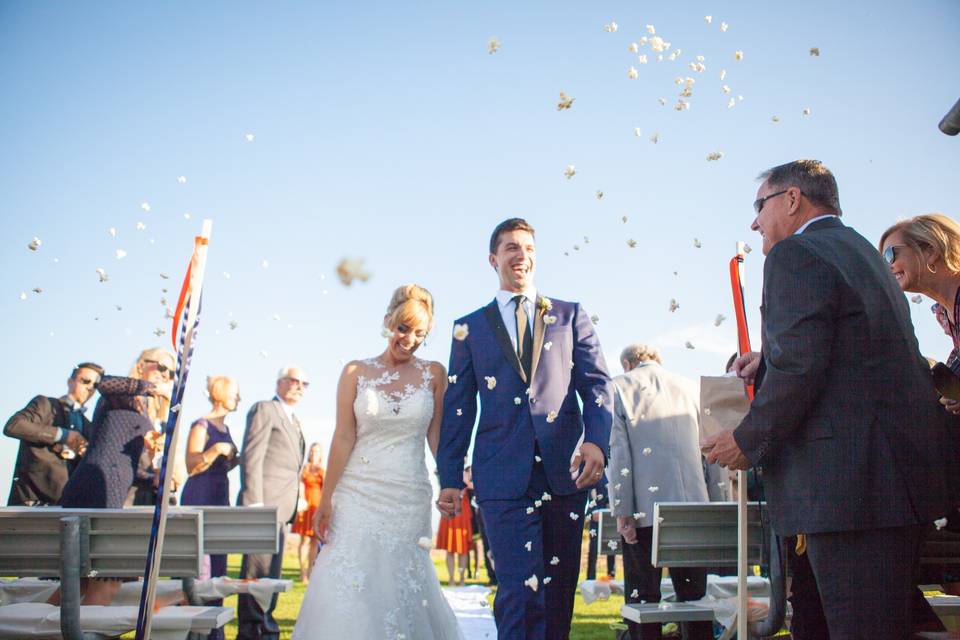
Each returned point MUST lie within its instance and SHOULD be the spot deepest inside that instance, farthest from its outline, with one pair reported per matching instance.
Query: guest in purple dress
(211, 453)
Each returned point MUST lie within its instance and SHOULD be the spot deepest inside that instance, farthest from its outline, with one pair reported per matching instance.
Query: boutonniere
(544, 304)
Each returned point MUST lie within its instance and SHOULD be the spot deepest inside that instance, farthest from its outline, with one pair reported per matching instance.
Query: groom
(535, 455)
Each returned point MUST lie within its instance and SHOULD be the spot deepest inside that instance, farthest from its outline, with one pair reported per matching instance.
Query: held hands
(591, 457)
(722, 448)
(75, 441)
(746, 366)
(321, 519)
(448, 504)
(627, 527)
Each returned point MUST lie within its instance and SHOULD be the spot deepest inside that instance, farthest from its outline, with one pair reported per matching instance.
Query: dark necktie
(524, 339)
(75, 417)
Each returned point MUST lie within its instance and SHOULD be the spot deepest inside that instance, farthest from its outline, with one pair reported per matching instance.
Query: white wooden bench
(106, 543)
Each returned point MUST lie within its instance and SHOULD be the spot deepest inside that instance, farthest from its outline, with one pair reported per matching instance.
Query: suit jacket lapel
(538, 330)
(492, 312)
(288, 426)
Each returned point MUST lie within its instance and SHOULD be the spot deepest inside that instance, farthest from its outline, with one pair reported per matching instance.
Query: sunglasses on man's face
(891, 253)
(298, 381)
(87, 382)
(162, 368)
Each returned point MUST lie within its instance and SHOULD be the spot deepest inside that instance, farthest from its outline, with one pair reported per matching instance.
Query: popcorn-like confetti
(715, 155)
(528, 545)
(806, 112)
(554, 561)
(493, 45)
(641, 59)
(663, 103)
(724, 26)
(145, 206)
(655, 138)
(141, 226)
(37, 290)
(631, 243)
(364, 459)
(611, 28)
(233, 325)
(719, 319)
(651, 29)
(599, 401)
(723, 74)
(548, 319)
(461, 331)
(23, 295)
(738, 55)
(917, 299)
(351, 269)
(633, 48)
(624, 472)
(546, 497)
(593, 533)
(682, 105)
(248, 137)
(121, 254)
(635, 593)
(775, 119)
(647, 451)
(731, 103)
(940, 523)
(637, 132)
(547, 579)
(570, 171)
(746, 248)
(459, 412)
(538, 458)
(708, 19)
(182, 179)
(815, 52)
(574, 516)
(696, 243)
(632, 73)
(538, 503)
(594, 318)
(34, 244)
(547, 345)
(425, 543)
(452, 379)
(532, 582)
(517, 400)
(158, 332)
(102, 274)
(491, 382)
(689, 345)
(653, 489)
(530, 510)
(565, 102)
(674, 305)
(264, 264)
(612, 545)
(551, 416)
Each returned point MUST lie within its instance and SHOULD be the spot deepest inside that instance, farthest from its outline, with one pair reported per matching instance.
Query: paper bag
(723, 404)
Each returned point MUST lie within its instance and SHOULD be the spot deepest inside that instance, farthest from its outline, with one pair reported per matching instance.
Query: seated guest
(51, 431)
(654, 457)
(123, 416)
(211, 453)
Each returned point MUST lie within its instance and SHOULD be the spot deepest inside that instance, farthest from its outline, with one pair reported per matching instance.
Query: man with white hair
(272, 455)
(654, 457)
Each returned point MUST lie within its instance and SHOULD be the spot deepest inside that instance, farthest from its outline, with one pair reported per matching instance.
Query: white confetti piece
(34, 244)
(624, 472)
(102, 274)
(806, 112)
(350, 270)
(633, 48)
(574, 516)
(696, 243)
(182, 179)
(599, 401)
(120, 254)
(461, 331)
(493, 45)
(551, 416)
(714, 156)
(459, 412)
(815, 52)
(538, 503)
(599, 195)
(593, 533)
(528, 545)
(554, 561)
(738, 55)
(647, 451)
(651, 29)
(611, 28)
(655, 138)
(233, 325)
(364, 459)
(632, 73)
(636, 515)
(548, 319)
(263, 353)
(491, 382)
(940, 523)
(517, 400)
(674, 305)
(631, 243)
(248, 137)
(425, 543)
(724, 26)
(719, 319)
(530, 510)
(141, 226)
(546, 497)
(917, 299)
(775, 119)
(547, 580)
(612, 545)
(37, 290)
(689, 345)
(641, 59)
(547, 345)
(23, 295)
(565, 102)
(653, 489)
(538, 458)
(635, 593)
(746, 248)
(708, 19)
(145, 206)
(637, 132)
(532, 582)
(570, 171)
(594, 318)
(452, 379)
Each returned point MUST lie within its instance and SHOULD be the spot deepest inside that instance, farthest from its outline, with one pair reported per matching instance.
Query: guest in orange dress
(311, 489)
(455, 534)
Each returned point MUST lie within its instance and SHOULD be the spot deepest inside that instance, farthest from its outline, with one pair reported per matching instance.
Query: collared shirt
(809, 222)
(287, 409)
(508, 311)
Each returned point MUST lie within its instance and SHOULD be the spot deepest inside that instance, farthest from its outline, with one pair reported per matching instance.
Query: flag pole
(188, 305)
(743, 346)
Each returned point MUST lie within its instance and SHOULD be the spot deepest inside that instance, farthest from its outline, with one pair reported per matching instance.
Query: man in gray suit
(273, 450)
(845, 421)
(654, 457)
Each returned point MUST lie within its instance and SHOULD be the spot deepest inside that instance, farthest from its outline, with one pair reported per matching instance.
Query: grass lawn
(590, 622)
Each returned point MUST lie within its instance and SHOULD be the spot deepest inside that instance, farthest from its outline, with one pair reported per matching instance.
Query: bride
(374, 577)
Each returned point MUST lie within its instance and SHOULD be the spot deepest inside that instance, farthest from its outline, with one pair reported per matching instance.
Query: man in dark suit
(270, 464)
(845, 420)
(51, 432)
(536, 454)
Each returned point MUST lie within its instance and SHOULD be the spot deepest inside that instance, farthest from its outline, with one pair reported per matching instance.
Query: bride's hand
(321, 520)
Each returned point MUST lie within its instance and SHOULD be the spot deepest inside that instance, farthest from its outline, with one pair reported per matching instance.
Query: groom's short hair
(510, 224)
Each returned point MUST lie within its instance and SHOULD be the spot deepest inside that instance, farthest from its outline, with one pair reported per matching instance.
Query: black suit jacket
(40, 473)
(846, 422)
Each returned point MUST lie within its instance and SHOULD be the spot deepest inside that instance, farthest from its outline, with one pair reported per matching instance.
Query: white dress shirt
(809, 222)
(287, 409)
(508, 311)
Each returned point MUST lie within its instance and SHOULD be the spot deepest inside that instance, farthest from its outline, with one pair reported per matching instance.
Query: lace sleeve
(124, 393)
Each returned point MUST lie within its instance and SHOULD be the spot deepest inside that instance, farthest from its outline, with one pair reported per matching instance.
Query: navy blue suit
(526, 436)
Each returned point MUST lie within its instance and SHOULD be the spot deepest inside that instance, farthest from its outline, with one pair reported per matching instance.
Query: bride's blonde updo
(410, 303)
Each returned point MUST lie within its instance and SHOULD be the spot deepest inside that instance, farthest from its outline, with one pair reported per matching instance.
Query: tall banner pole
(186, 318)
(743, 346)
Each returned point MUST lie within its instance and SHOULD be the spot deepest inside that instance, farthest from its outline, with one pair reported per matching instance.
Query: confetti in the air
(23, 295)
(551, 416)
(708, 19)
(461, 331)
(452, 379)
(719, 319)
(746, 248)
(594, 318)
(599, 195)
(631, 243)
(641, 59)
(574, 516)
(633, 47)
(806, 112)
(624, 472)
(517, 400)
(724, 26)
(532, 582)
(696, 243)
(548, 319)
(716, 155)
(546, 497)
(647, 451)
(940, 523)
(102, 274)
(632, 73)
(141, 226)
(248, 137)
(611, 28)
(425, 543)
(653, 489)
(158, 332)
(37, 290)
(34, 244)
(233, 325)
(112, 232)
(565, 102)
(738, 55)
(182, 179)
(554, 561)
(917, 299)
(121, 254)
(351, 269)
(674, 305)
(655, 138)
(493, 45)
(570, 171)
(530, 510)
(528, 545)
(459, 412)
(689, 345)
(775, 119)
(612, 544)
(491, 382)
(815, 52)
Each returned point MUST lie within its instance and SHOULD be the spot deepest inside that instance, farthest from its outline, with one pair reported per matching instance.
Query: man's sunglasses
(88, 382)
(890, 253)
(162, 368)
(302, 383)
(758, 203)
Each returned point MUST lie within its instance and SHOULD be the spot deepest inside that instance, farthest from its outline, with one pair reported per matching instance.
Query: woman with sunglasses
(125, 414)
(924, 255)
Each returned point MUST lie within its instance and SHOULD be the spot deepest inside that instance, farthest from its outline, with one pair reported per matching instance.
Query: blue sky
(385, 131)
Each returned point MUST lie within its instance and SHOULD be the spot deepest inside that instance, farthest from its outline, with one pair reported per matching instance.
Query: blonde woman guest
(211, 454)
(311, 490)
(924, 255)
(373, 578)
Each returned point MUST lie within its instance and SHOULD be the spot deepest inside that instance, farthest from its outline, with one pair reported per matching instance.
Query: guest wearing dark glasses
(124, 415)
(924, 256)
(51, 431)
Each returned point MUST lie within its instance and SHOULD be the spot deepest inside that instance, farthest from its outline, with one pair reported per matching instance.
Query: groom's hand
(591, 457)
(449, 502)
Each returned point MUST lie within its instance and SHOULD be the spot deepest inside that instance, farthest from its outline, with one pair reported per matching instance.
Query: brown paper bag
(723, 404)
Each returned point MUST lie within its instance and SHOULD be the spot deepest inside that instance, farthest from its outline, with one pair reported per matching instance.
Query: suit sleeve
(34, 423)
(459, 414)
(800, 303)
(621, 457)
(255, 441)
(592, 382)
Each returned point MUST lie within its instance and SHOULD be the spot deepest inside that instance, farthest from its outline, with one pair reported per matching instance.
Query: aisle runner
(473, 611)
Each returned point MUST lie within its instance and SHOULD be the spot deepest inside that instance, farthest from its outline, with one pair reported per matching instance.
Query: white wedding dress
(373, 579)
